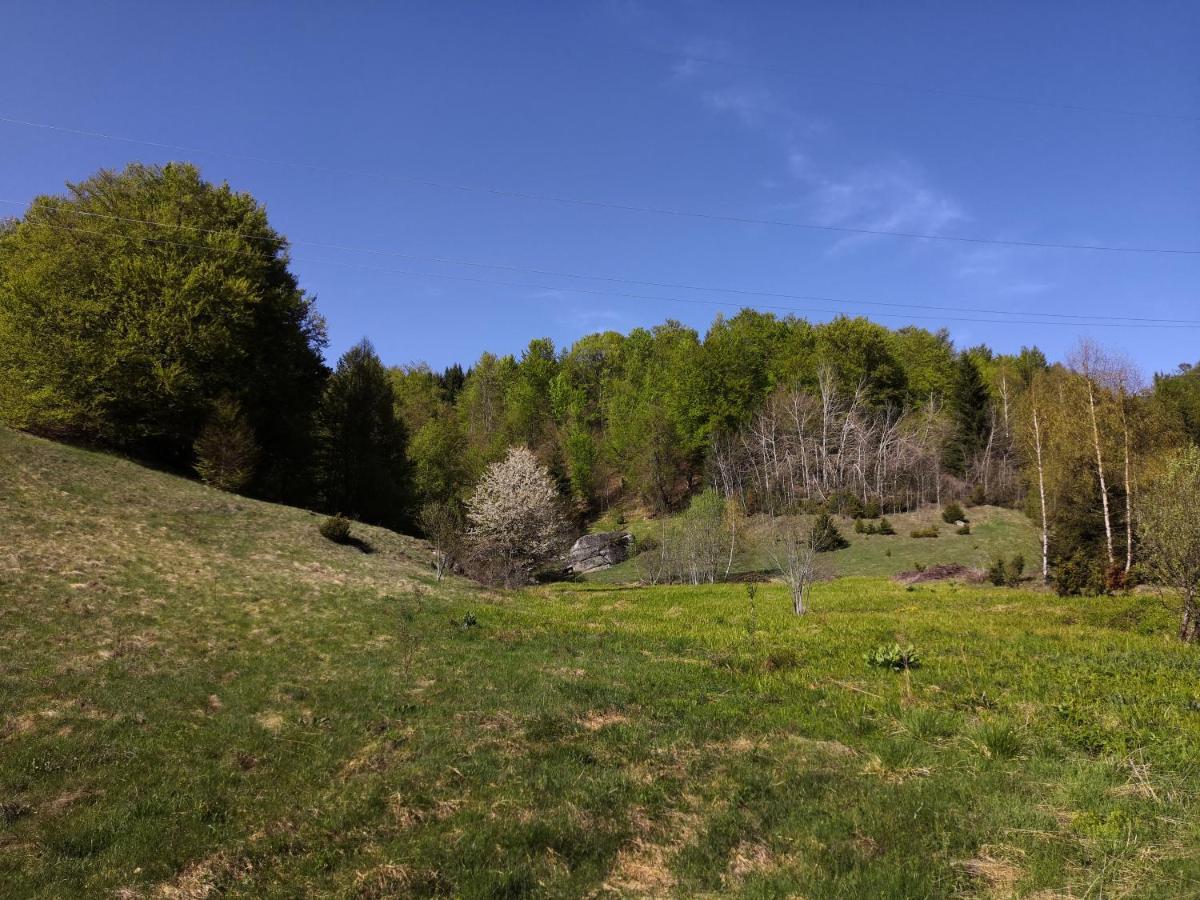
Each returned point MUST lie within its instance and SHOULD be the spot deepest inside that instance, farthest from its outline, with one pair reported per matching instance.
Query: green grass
(202, 697)
(994, 532)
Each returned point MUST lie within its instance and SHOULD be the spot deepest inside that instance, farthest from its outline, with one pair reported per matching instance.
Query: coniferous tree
(968, 408)
(362, 468)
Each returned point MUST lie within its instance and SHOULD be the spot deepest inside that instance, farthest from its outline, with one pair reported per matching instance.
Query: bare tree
(1087, 361)
(1041, 474)
(795, 558)
(442, 524)
(1170, 536)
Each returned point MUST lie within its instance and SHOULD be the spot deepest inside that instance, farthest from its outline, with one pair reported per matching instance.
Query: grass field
(200, 697)
(994, 532)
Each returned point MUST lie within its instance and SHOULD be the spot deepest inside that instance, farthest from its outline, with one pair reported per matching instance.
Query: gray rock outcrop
(599, 551)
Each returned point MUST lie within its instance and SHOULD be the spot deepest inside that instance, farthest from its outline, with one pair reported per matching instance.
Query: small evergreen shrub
(895, 657)
(978, 497)
(860, 526)
(336, 529)
(885, 527)
(1077, 575)
(871, 509)
(964, 528)
(226, 452)
(825, 534)
(930, 532)
(953, 513)
(1006, 574)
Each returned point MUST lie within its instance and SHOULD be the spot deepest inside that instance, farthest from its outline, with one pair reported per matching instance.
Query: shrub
(1079, 574)
(953, 513)
(895, 657)
(964, 528)
(226, 452)
(336, 529)
(978, 497)
(929, 532)
(885, 527)
(825, 534)
(1006, 574)
(871, 509)
(860, 526)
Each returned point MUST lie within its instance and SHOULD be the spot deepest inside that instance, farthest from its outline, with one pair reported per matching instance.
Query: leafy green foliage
(1080, 573)
(929, 531)
(893, 657)
(116, 332)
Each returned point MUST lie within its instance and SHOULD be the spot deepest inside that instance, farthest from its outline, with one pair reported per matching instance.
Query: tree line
(153, 312)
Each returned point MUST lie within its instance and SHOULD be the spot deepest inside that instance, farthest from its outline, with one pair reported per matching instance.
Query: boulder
(599, 551)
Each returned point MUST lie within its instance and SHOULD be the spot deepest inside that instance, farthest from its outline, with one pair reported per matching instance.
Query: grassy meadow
(201, 697)
(995, 531)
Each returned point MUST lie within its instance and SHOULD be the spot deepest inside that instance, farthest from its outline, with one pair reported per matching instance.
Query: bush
(825, 534)
(1077, 575)
(1006, 574)
(860, 526)
(336, 529)
(871, 509)
(978, 497)
(885, 527)
(953, 513)
(930, 532)
(895, 657)
(964, 528)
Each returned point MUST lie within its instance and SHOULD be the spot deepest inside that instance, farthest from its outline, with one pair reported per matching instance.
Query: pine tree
(968, 408)
(362, 468)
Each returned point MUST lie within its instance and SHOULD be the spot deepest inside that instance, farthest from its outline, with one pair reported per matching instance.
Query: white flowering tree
(515, 518)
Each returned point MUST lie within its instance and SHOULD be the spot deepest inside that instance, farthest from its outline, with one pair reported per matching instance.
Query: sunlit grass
(199, 694)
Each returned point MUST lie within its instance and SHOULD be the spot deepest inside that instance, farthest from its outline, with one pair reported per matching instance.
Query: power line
(600, 293)
(620, 207)
(920, 89)
(1075, 317)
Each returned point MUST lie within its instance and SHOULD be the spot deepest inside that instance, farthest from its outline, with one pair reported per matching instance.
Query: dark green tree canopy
(118, 330)
(361, 442)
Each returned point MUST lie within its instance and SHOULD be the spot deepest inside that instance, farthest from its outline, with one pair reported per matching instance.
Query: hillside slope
(201, 697)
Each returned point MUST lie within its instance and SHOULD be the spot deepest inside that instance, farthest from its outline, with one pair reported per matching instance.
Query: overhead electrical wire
(622, 207)
(594, 292)
(1077, 318)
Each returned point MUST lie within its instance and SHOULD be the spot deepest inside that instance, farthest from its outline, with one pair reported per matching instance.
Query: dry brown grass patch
(594, 721)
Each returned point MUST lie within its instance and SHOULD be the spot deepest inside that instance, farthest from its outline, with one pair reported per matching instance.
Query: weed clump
(895, 657)
(930, 532)
(336, 529)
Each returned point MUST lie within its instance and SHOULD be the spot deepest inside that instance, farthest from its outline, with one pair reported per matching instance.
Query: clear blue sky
(801, 112)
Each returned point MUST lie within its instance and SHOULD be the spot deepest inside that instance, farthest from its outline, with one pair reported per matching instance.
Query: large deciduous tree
(1169, 528)
(130, 305)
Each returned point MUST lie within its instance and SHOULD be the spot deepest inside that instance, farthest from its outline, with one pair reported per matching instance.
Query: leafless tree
(442, 525)
(795, 558)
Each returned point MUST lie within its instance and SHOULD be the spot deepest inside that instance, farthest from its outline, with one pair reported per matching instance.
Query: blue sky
(868, 115)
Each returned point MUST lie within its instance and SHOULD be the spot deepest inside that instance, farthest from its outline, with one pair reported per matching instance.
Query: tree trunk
(1108, 533)
(1128, 492)
(1189, 628)
(1037, 439)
